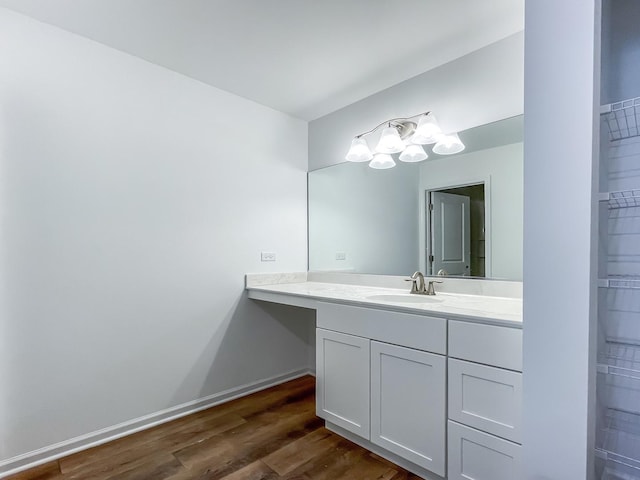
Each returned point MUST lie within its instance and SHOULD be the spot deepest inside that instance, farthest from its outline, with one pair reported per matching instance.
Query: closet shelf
(614, 470)
(622, 199)
(622, 118)
(622, 359)
(620, 439)
(620, 281)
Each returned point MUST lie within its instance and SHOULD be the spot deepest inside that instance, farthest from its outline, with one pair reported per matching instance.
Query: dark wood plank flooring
(270, 435)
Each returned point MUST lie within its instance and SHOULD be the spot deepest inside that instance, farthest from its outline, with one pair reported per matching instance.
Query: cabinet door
(342, 380)
(408, 404)
(475, 455)
(486, 398)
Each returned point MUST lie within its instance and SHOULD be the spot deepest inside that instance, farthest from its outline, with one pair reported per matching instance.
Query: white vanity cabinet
(432, 384)
(396, 398)
(485, 401)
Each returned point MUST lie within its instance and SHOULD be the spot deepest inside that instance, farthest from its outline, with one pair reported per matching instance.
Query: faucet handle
(430, 290)
(414, 285)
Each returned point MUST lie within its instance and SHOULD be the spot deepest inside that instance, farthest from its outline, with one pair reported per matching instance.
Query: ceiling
(303, 57)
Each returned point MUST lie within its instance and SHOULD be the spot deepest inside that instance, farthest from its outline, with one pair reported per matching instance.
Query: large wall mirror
(455, 215)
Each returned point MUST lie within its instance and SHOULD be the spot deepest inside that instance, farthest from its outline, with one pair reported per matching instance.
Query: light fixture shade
(390, 141)
(359, 151)
(413, 153)
(448, 145)
(428, 131)
(382, 161)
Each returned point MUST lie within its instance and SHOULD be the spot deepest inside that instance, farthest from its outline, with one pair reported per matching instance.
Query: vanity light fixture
(406, 137)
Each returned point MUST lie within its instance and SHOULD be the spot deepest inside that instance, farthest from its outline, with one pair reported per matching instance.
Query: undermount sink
(404, 298)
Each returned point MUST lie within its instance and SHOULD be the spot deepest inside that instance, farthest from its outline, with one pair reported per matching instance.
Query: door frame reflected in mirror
(425, 241)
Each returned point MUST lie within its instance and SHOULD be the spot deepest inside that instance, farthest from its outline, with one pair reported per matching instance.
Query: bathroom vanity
(433, 383)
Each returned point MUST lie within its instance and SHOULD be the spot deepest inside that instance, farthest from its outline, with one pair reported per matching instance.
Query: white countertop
(486, 309)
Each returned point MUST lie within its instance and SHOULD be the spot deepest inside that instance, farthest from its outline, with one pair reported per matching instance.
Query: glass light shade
(359, 151)
(390, 141)
(382, 161)
(413, 153)
(428, 131)
(448, 145)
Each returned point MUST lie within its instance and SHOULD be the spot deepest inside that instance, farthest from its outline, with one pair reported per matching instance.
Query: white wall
(370, 215)
(479, 88)
(502, 168)
(560, 152)
(132, 202)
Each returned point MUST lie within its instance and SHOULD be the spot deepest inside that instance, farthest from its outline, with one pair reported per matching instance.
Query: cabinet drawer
(414, 331)
(488, 344)
(486, 398)
(479, 456)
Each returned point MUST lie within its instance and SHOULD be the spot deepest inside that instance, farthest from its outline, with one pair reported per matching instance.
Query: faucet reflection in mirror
(406, 137)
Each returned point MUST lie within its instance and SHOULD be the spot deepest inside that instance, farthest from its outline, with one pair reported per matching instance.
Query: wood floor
(270, 435)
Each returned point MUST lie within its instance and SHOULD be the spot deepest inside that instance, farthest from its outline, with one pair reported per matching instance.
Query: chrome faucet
(418, 283)
(419, 287)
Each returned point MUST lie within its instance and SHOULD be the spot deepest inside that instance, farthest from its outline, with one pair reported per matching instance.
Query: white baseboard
(62, 449)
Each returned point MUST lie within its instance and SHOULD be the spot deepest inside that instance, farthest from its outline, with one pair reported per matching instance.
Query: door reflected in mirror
(363, 220)
(455, 231)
